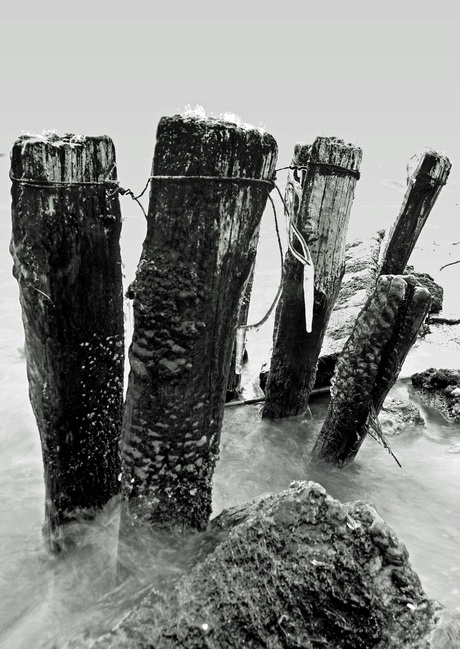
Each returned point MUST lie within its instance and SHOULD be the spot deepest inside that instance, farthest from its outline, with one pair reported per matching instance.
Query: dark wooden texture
(234, 379)
(198, 252)
(423, 188)
(370, 364)
(322, 217)
(65, 246)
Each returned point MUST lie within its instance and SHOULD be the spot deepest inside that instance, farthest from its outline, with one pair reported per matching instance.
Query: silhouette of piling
(65, 246)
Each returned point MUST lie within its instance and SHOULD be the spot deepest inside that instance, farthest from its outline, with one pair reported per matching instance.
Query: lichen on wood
(65, 246)
(199, 249)
(321, 203)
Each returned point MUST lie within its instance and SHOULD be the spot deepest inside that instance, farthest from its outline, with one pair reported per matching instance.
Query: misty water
(46, 600)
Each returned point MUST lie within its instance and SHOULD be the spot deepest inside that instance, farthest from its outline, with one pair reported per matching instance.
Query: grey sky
(382, 74)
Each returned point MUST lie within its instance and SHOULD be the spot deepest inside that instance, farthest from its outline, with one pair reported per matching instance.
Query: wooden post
(331, 169)
(234, 377)
(65, 246)
(423, 189)
(197, 255)
(369, 365)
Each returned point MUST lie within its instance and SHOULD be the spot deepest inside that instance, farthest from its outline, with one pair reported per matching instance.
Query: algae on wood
(329, 174)
(199, 249)
(65, 246)
(369, 365)
(424, 186)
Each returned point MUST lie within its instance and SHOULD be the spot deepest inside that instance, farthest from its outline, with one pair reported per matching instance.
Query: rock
(437, 292)
(439, 389)
(292, 570)
(397, 415)
(358, 283)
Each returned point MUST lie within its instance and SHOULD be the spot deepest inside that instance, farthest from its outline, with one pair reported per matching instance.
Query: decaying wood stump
(424, 186)
(198, 252)
(369, 365)
(65, 246)
(321, 213)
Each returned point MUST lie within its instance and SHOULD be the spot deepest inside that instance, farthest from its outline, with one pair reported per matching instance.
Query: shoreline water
(419, 502)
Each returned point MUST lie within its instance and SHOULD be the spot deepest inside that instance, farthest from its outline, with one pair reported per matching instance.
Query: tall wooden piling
(369, 365)
(424, 184)
(205, 207)
(325, 176)
(65, 246)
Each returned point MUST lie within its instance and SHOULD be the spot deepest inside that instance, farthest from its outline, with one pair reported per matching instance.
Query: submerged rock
(296, 569)
(439, 389)
(397, 415)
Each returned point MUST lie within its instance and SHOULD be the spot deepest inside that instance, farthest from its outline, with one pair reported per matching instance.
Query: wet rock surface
(397, 415)
(439, 389)
(296, 569)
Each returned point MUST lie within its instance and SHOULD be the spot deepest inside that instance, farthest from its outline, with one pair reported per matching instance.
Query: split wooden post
(424, 186)
(329, 170)
(369, 365)
(65, 246)
(208, 194)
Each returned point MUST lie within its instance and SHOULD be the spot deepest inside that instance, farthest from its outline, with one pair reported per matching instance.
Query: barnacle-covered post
(65, 246)
(209, 190)
(322, 192)
(427, 175)
(369, 365)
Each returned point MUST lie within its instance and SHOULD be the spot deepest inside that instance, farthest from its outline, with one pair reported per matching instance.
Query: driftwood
(369, 365)
(65, 246)
(424, 186)
(321, 194)
(198, 252)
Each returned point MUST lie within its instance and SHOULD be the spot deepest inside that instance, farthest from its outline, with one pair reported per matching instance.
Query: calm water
(44, 601)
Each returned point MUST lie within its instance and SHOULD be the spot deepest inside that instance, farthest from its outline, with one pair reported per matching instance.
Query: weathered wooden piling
(322, 185)
(424, 184)
(65, 246)
(209, 190)
(238, 355)
(369, 365)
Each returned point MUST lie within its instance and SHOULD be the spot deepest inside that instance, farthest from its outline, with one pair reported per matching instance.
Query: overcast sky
(382, 74)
